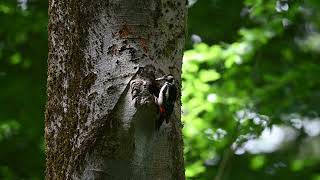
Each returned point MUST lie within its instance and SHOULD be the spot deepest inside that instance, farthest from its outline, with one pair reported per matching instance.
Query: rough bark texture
(103, 58)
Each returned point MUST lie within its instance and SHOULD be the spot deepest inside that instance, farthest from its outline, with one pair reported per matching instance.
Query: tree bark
(103, 59)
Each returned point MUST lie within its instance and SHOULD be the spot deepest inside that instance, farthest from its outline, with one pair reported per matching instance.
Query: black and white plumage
(166, 99)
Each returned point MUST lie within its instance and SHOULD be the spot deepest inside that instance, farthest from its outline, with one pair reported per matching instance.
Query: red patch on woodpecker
(162, 110)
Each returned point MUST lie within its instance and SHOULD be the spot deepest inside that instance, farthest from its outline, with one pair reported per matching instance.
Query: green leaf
(5, 9)
(209, 75)
(194, 169)
(257, 162)
(15, 59)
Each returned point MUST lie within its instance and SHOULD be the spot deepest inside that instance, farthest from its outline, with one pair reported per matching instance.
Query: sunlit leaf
(15, 59)
(257, 162)
(194, 169)
(209, 75)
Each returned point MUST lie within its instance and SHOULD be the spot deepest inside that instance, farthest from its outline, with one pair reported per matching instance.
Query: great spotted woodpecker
(166, 99)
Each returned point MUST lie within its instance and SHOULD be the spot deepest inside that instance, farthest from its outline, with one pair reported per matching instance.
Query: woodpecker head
(168, 78)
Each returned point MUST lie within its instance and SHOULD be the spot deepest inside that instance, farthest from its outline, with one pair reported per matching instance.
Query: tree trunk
(103, 59)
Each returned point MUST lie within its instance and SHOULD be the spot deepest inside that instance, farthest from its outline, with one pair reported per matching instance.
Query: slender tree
(101, 109)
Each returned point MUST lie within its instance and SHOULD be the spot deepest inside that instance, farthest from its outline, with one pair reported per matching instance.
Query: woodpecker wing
(173, 93)
(171, 96)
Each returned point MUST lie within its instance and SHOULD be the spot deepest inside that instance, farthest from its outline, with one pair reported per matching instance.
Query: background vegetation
(251, 98)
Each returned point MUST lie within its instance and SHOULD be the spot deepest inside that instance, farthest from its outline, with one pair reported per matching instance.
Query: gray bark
(101, 110)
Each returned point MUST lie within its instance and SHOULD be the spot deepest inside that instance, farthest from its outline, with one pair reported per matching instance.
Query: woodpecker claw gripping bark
(166, 99)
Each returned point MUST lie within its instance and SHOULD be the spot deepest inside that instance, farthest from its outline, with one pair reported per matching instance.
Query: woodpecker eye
(169, 78)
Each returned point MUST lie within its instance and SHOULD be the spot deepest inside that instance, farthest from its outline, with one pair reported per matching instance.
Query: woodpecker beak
(159, 79)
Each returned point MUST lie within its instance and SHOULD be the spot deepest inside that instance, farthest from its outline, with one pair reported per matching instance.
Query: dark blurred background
(251, 98)
(23, 59)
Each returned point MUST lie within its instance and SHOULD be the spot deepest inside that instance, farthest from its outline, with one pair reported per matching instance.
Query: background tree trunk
(103, 58)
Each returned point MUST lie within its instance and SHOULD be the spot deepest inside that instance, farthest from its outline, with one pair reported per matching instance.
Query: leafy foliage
(238, 95)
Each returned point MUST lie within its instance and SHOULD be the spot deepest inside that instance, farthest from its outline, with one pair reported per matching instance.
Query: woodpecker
(166, 99)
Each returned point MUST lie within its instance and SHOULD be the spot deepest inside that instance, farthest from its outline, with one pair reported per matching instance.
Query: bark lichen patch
(124, 31)
(112, 49)
(170, 47)
(88, 81)
(112, 89)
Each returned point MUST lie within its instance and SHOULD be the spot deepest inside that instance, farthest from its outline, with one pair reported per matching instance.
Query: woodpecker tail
(159, 122)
